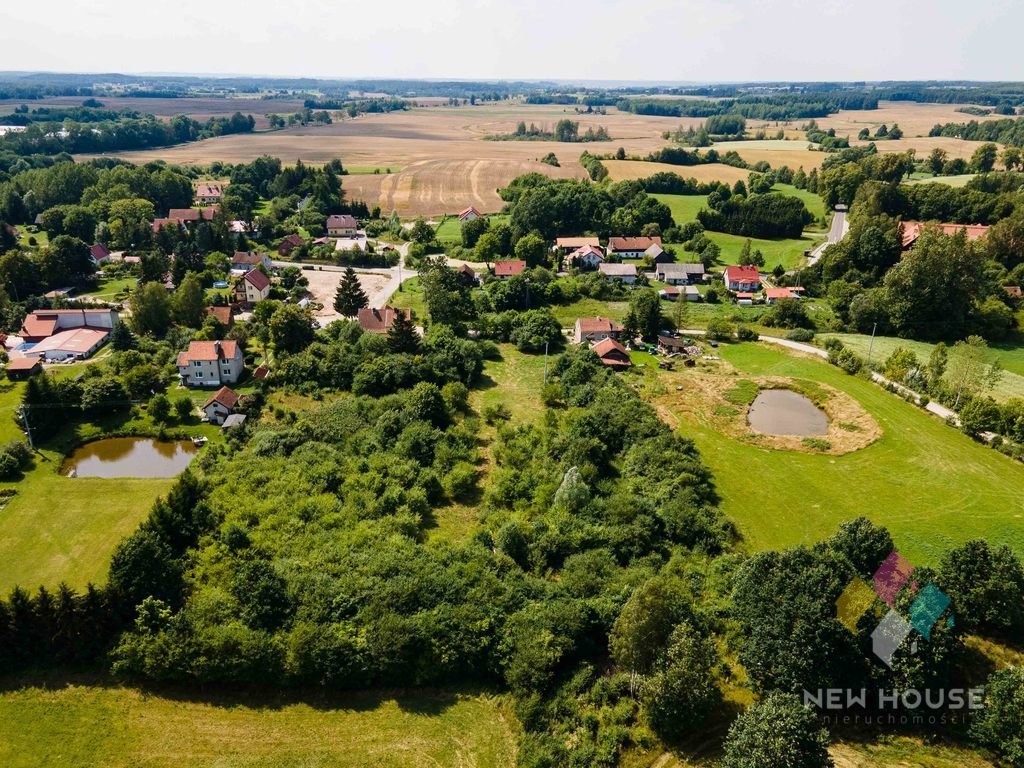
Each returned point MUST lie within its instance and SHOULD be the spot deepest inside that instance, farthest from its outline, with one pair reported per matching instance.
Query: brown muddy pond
(783, 412)
(130, 457)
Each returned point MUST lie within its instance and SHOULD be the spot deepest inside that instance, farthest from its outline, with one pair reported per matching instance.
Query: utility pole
(871, 344)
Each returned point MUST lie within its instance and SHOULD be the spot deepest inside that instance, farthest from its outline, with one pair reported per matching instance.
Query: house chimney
(216, 347)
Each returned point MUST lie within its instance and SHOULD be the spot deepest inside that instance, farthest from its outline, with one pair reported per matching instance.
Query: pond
(130, 457)
(784, 412)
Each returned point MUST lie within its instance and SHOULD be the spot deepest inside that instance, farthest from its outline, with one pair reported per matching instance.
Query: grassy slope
(1009, 355)
(410, 296)
(930, 485)
(114, 727)
(789, 253)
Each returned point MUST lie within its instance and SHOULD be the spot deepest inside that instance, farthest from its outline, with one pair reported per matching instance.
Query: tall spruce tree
(350, 297)
(402, 336)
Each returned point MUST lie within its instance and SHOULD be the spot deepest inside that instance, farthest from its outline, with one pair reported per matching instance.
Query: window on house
(199, 374)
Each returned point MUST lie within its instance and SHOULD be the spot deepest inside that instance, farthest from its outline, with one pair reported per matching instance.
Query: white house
(587, 257)
(253, 287)
(594, 329)
(243, 261)
(221, 405)
(631, 247)
(342, 225)
(469, 214)
(624, 273)
(210, 363)
(679, 274)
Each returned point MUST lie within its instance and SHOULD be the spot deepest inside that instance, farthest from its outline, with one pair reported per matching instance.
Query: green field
(788, 253)
(449, 232)
(112, 289)
(1010, 357)
(86, 725)
(952, 181)
(410, 296)
(932, 486)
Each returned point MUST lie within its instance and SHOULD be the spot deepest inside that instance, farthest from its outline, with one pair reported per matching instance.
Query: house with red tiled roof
(771, 295)
(244, 261)
(289, 244)
(210, 363)
(21, 368)
(743, 279)
(631, 247)
(593, 329)
(587, 257)
(209, 192)
(222, 314)
(613, 354)
(910, 231)
(99, 253)
(221, 405)
(253, 287)
(377, 320)
(569, 244)
(510, 268)
(183, 217)
(468, 214)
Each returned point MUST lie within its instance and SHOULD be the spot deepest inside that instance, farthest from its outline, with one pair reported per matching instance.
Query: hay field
(922, 146)
(446, 162)
(915, 119)
(620, 170)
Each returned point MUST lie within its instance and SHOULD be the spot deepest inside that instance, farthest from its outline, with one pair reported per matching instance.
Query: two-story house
(211, 363)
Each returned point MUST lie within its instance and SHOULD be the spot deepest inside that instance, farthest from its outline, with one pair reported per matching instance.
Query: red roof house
(612, 354)
(510, 268)
(743, 279)
(377, 320)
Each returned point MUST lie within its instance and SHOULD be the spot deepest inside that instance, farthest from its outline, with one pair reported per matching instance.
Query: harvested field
(914, 119)
(620, 170)
(446, 162)
(924, 145)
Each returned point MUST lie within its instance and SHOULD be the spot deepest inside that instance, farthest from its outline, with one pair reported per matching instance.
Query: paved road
(839, 229)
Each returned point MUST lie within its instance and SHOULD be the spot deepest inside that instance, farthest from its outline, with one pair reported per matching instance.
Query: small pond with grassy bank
(785, 412)
(141, 457)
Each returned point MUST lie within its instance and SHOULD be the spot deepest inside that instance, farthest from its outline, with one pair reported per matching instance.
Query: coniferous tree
(350, 297)
(402, 336)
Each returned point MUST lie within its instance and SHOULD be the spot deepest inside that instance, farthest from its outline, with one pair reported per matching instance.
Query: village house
(21, 368)
(587, 257)
(221, 405)
(342, 225)
(771, 295)
(566, 245)
(679, 274)
(209, 192)
(657, 254)
(469, 214)
(244, 261)
(1013, 291)
(468, 274)
(591, 329)
(506, 269)
(623, 273)
(252, 288)
(742, 279)
(910, 231)
(222, 315)
(99, 253)
(631, 247)
(44, 323)
(184, 217)
(613, 354)
(675, 292)
(289, 244)
(211, 363)
(377, 320)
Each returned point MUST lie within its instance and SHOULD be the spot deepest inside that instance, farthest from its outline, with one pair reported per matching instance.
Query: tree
(402, 336)
(969, 372)
(863, 543)
(473, 229)
(937, 160)
(291, 328)
(532, 249)
(986, 585)
(777, 731)
(421, 232)
(448, 298)
(151, 309)
(65, 261)
(999, 725)
(144, 566)
(681, 692)
(183, 407)
(189, 302)
(1011, 158)
(644, 625)
(160, 408)
(121, 338)
(984, 158)
(900, 363)
(644, 316)
(350, 296)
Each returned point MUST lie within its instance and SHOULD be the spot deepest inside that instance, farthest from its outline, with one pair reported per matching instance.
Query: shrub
(801, 334)
(719, 330)
(494, 413)
(776, 731)
(743, 333)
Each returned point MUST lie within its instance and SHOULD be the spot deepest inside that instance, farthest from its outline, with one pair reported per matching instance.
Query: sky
(630, 40)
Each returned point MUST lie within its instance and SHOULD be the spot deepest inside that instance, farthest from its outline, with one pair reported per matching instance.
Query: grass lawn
(788, 253)
(812, 200)
(1010, 355)
(41, 237)
(568, 314)
(515, 381)
(112, 289)
(76, 725)
(952, 181)
(410, 296)
(932, 486)
(449, 232)
(65, 529)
